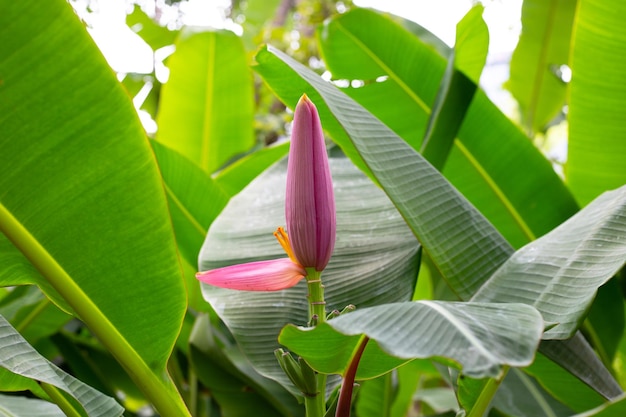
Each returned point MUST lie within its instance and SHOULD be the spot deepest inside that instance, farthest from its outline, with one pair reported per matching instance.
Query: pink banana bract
(309, 212)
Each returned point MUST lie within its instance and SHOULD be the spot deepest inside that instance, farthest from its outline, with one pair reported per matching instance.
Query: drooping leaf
(206, 107)
(479, 338)
(17, 356)
(543, 47)
(560, 272)
(82, 209)
(578, 357)
(596, 146)
(375, 259)
(562, 385)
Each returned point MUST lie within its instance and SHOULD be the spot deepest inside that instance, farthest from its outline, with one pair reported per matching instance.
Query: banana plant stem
(316, 405)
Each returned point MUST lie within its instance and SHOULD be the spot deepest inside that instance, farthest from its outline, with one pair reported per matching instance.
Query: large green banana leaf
(82, 209)
(596, 145)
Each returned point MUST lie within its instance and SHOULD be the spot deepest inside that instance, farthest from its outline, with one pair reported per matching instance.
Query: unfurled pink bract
(309, 212)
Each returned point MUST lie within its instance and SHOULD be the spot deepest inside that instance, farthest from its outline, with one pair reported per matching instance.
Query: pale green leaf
(472, 43)
(544, 46)
(206, 107)
(596, 146)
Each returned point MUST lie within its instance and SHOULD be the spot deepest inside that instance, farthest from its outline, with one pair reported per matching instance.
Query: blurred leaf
(560, 384)
(375, 397)
(411, 379)
(543, 47)
(237, 175)
(560, 272)
(518, 395)
(440, 400)
(375, 259)
(82, 200)
(17, 356)
(596, 146)
(28, 407)
(616, 408)
(492, 163)
(206, 107)
(478, 337)
(472, 43)
(154, 34)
